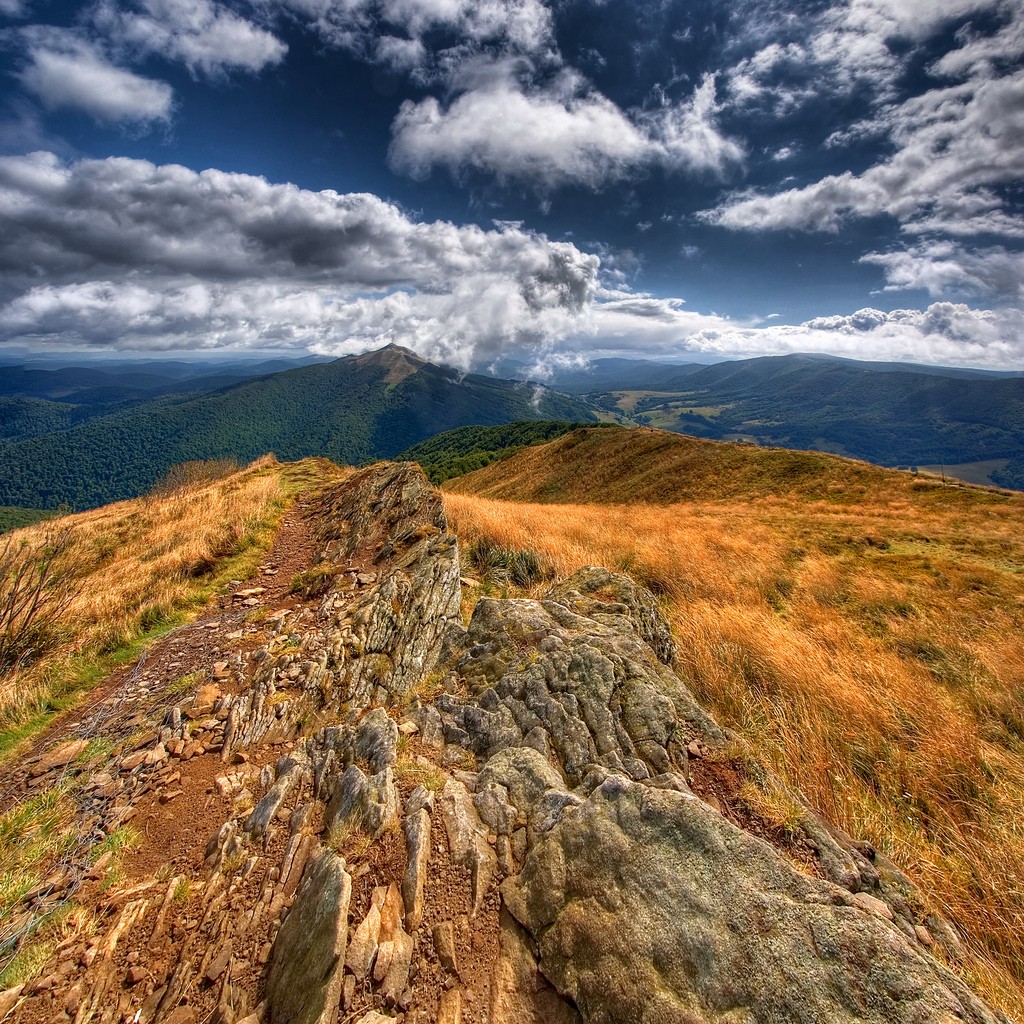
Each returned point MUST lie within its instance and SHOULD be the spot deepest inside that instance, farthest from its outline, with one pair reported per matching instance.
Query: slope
(456, 452)
(644, 465)
(350, 410)
(887, 413)
(351, 807)
(862, 628)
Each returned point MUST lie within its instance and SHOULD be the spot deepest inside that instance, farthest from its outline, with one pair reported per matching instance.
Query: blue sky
(546, 180)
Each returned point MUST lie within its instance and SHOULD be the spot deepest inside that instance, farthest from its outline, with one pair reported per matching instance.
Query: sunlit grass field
(864, 630)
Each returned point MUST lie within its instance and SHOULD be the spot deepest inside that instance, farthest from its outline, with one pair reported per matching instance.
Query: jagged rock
(573, 680)
(467, 839)
(520, 994)
(289, 774)
(648, 905)
(602, 595)
(416, 827)
(444, 946)
(307, 964)
(449, 1010)
(9, 999)
(362, 948)
(369, 803)
(58, 757)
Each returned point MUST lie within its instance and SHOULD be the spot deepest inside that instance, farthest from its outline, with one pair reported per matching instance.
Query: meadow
(862, 629)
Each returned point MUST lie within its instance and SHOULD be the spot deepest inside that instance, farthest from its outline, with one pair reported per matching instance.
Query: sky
(547, 180)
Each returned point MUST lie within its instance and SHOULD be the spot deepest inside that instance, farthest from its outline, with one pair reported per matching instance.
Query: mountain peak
(399, 362)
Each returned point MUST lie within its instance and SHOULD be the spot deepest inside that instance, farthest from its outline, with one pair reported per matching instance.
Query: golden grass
(139, 564)
(872, 650)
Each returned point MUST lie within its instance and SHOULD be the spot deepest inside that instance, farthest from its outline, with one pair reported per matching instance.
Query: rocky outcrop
(517, 822)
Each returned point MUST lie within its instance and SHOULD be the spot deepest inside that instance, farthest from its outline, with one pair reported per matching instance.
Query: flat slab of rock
(649, 906)
(308, 961)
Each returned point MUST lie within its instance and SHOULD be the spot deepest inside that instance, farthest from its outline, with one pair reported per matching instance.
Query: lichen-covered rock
(649, 906)
(304, 983)
(572, 675)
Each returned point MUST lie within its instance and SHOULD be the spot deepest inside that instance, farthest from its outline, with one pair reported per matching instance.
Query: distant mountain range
(94, 434)
(890, 413)
(350, 410)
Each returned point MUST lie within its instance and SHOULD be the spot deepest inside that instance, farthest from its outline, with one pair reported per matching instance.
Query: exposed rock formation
(507, 823)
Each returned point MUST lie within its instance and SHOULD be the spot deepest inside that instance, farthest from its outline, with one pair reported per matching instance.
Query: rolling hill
(889, 413)
(861, 628)
(640, 464)
(350, 410)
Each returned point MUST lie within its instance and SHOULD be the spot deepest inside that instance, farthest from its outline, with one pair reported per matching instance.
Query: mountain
(751, 754)
(350, 410)
(887, 413)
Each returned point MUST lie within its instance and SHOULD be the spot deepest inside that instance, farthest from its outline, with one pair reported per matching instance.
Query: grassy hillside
(887, 413)
(350, 410)
(657, 466)
(120, 574)
(465, 449)
(862, 629)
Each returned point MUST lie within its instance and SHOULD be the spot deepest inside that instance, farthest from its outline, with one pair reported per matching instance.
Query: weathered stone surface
(289, 772)
(362, 949)
(399, 624)
(647, 905)
(58, 757)
(416, 827)
(449, 1010)
(443, 936)
(369, 803)
(307, 964)
(467, 839)
(520, 994)
(589, 692)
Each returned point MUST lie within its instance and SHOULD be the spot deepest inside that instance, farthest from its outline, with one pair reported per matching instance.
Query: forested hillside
(349, 410)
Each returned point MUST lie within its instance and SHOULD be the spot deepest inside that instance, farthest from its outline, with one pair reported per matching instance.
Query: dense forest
(460, 451)
(350, 410)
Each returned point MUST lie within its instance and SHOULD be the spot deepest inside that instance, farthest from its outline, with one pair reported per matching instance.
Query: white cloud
(955, 145)
(946, 333)
(205, 36)
(941, 266)
(65, 72)
(559, 133)
(162, 256)
(514, 26)
(124, 254)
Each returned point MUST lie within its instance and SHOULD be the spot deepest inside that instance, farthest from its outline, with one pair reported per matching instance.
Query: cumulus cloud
(941, 266)
(557, 133)
(156, 256)
(955, 147)
(945, 333)
(205, 36)
(66, 72)
(625, 323)
(515, 26)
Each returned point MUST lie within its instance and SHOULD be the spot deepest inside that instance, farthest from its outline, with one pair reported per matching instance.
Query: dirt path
(129, 697)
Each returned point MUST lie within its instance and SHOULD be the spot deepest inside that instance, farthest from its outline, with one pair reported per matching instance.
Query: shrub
(500, 564)
(187, 476)
(35, 590)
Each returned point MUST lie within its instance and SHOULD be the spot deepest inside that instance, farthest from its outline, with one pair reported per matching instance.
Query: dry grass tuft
(138, 565)
(871, 651)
